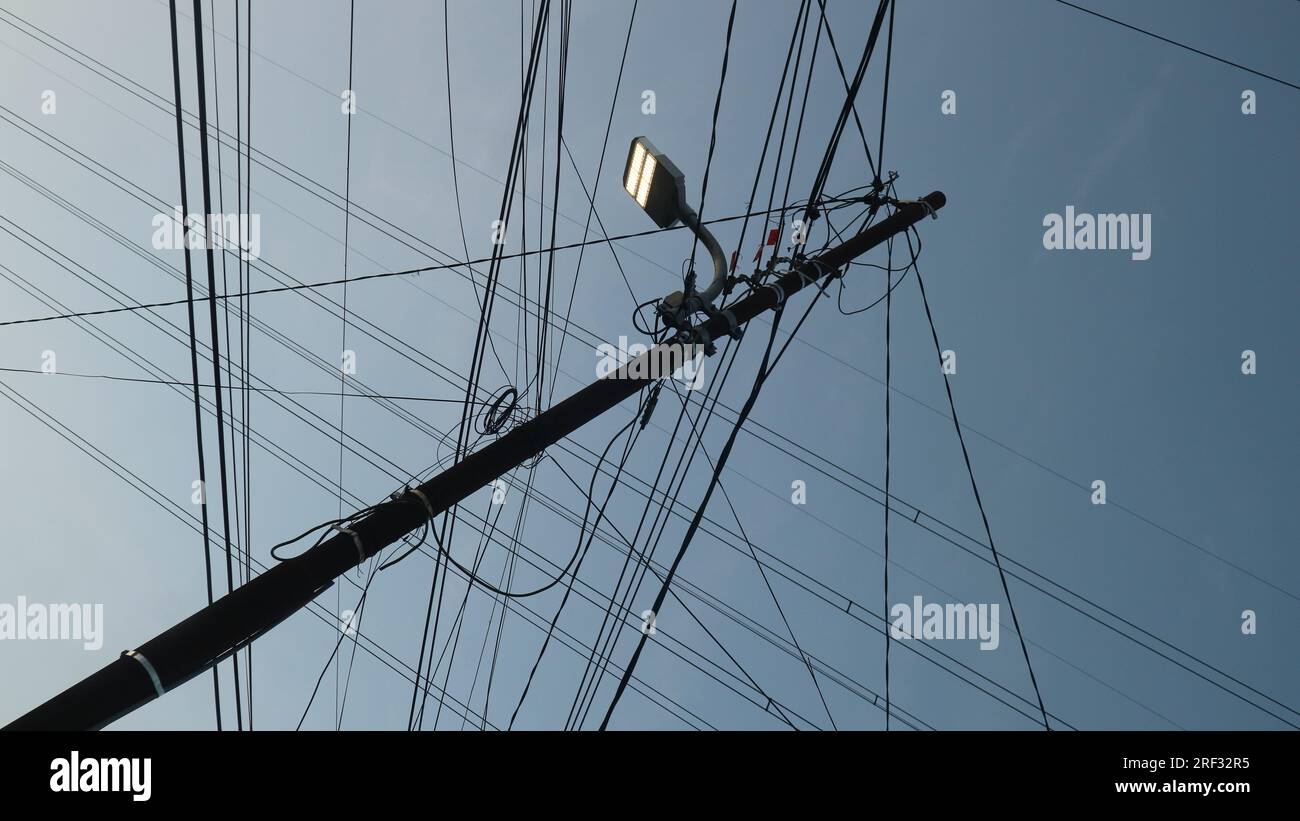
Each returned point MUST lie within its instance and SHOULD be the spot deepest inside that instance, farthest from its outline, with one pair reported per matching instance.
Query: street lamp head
(655, 183)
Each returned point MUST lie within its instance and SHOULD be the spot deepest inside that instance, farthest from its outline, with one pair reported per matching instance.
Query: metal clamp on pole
(361, 551)
(729, 316)
(425, 499)
(780, 294)
(148, 668)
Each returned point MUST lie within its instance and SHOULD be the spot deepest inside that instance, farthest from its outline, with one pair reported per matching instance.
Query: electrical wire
(200, 71)
(194, 360)
(1184, 46)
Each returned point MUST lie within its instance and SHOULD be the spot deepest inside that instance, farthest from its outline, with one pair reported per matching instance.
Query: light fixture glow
(634, 169)
(647, 174)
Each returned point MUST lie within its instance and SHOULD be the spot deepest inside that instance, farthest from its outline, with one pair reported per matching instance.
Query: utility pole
(227, 625)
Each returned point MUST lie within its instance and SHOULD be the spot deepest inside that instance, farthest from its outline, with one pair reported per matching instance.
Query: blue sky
(1073, 366)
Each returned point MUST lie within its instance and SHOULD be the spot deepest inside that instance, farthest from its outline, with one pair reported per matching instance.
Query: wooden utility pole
(228, 624)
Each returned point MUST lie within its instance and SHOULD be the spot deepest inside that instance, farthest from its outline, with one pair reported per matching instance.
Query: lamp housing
(657, 185)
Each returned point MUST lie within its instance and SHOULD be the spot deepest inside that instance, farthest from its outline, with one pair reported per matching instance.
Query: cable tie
(929, 209)
(419, 493)
(780, 294)
(806, 278)
(830, 272)
(361, 551)
(148, 668)
(733, 327)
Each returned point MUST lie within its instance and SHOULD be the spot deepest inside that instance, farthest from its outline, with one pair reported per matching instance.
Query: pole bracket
(702, 336)
(733, 327)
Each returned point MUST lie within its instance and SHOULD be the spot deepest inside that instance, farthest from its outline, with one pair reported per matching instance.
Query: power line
(699, 513)
(979, 502)
(761, 572)
(225, 285)
(889, 366)
(241, 387)
(889, 356)
(634, 432)
(343, 364)
(591, 199)
(200, 70)
(309, 286)
(1184, 46)
(243, 198)
(194, 357)
(819, 183)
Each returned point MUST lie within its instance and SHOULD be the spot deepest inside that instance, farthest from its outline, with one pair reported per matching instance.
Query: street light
(659, 187)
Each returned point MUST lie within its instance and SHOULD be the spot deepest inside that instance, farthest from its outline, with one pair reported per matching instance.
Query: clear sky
(1072, 366)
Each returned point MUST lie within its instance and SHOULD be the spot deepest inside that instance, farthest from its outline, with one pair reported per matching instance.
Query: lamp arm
(692, 220)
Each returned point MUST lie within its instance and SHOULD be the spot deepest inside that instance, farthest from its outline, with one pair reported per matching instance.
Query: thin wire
(591, 199)
(343, 364)
(1181, 45)
(713, 129)
(833, 144)
(635, 432)
(212, 316)
(311, 286)
(194, 356)
(979, 502)
(762, 574)
(889, 362)
(759, 379)
(884, 102)
(247, 317)
(225, 284)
